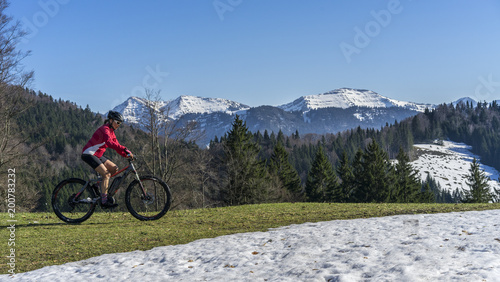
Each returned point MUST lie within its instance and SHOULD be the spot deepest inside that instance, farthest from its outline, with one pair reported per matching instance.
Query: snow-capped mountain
(330, 112)
(465, 100)
(345, 98)
(134, 107)
(472, 102)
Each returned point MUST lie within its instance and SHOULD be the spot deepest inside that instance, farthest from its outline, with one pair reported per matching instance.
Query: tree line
(369, 177)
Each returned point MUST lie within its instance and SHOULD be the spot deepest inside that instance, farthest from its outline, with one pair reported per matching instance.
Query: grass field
(41, 239)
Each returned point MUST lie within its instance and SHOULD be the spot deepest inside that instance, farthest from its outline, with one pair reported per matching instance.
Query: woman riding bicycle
(93, 152)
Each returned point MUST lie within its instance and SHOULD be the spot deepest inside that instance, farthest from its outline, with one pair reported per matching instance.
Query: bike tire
(70, 211)
(155, 206)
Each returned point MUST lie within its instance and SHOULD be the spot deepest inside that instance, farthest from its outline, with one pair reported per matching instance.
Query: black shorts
(93, 161)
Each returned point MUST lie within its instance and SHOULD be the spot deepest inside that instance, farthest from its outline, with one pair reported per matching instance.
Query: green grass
(42, 239)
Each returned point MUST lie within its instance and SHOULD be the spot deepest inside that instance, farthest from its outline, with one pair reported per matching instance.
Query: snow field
(449, 165)
(430, 247)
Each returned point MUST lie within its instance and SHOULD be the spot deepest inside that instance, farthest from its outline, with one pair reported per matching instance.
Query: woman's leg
(112, 168)
(104, 172)
(105, 168)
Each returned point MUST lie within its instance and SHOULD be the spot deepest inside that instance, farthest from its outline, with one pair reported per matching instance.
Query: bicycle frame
(126, 170)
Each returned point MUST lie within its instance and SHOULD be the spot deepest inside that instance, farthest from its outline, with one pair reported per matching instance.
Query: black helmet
(115, 116)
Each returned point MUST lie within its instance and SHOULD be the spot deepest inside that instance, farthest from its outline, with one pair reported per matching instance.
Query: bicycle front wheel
(72, 203)
(148, 199)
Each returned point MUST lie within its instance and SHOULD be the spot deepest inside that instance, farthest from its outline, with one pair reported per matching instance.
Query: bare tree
(151, 120)
(205, 175)
(13, 79)
(170, 140)
(13, 101)
(177, 139)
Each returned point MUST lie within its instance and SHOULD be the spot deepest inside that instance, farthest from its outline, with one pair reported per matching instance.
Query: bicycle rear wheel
(151, 203)
(71, 207)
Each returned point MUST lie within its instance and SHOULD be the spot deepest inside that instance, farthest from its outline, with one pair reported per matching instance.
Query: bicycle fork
(139, 179)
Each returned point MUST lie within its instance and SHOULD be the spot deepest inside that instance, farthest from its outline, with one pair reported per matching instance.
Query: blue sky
(258, 52)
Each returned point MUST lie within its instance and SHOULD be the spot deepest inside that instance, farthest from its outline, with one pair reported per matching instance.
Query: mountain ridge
(339, 98)
(329, 112)
(349, 97)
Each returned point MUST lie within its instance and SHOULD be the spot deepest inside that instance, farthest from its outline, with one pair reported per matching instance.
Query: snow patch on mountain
(198, 105)
(449, 163)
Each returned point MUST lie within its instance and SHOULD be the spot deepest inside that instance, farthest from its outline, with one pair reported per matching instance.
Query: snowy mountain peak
(347, 97)
(186, 104)
(464, 101)
(134, 107)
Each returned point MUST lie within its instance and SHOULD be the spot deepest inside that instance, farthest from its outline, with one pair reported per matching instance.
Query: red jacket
(103, 138)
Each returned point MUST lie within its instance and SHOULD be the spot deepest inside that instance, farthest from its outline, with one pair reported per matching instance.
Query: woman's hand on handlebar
(129, 154)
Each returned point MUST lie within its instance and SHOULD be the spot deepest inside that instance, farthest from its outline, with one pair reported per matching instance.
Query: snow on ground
(449, 165)
(453, 246)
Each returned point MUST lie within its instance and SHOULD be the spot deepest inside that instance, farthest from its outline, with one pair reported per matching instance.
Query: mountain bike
(147, 197)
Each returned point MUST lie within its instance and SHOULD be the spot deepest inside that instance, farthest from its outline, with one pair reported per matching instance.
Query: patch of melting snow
(426, 247)
(449, 165)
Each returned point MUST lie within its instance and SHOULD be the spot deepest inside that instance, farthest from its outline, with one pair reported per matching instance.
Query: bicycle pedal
(87, 201)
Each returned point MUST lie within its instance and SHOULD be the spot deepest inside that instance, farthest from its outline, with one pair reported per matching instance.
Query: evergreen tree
(496, 195)
(407, 183)
(321, 182)
(357, 183)
(266, 136)
(477, 181)
(458, 196)
(281, 137)
(374, 175)
(439, 195)
(281, 166)
(426, 195)
(246, 177)
(296, 136)
(347, 184)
